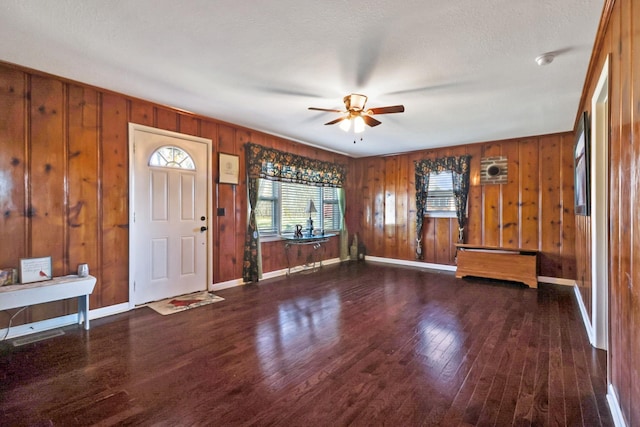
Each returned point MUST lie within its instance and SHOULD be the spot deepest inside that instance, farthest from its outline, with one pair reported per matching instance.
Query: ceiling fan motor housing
(355, 102)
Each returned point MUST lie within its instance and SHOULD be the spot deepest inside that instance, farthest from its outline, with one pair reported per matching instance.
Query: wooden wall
(64, 179)
(619, 38)
(534, 210)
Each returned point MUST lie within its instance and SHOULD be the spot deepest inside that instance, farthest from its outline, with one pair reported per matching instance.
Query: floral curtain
(460, 168)
(252, 260)
(344, 232)
(276, 165)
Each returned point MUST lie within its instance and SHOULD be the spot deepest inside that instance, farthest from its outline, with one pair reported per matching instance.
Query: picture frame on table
(229, 167)
(35, 269)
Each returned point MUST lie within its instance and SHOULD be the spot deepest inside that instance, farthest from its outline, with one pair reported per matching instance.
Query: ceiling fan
(356, 112)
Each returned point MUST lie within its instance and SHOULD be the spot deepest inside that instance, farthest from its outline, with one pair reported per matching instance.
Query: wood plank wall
(618, 38)
(534, 210)
(64, 179)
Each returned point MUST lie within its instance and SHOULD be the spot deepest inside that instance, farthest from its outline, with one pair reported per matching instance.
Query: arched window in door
(172, 157)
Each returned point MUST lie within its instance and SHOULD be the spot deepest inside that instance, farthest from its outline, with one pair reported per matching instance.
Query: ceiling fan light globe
(345, 125)
(358, 125)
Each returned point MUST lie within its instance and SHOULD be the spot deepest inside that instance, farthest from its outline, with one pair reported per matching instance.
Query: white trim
(59, 322)
(408, 263)
(614, 407)
(600, 209)
(226, 285)
(268, 275)
(585, 314)
(446, 267)
(557, 281)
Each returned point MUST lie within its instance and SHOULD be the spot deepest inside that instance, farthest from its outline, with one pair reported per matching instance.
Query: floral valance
(276, 165)
(456, 164)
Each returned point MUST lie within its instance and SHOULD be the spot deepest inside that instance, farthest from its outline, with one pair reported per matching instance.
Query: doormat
(184, 302)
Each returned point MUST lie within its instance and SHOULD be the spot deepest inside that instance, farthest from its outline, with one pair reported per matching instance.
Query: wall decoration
(582, 166)
(229, 166)
(35, 269)
(494, 170)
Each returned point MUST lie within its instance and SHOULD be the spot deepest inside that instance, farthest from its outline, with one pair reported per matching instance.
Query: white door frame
(209, 191)
(600, 211)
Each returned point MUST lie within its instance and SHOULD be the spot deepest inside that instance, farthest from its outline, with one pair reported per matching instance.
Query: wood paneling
(529, 211)
(64, 172)
(47, 165)
(618, 38)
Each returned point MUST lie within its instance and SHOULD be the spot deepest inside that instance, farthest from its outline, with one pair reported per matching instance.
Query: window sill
(440, 215)
(265, 239)
(276, 238)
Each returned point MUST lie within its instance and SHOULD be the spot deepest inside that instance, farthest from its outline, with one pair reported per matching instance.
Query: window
(281, 206)
(440, 199)
(172, 157)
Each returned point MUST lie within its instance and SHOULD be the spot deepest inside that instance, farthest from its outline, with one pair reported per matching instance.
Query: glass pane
(331, 213)
(440, 193)
(295, 200)
(266, 218)
(330, 209)
(172, 157)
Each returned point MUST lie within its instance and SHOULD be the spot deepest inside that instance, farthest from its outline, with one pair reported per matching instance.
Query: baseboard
(446, 267)
(557, 281)
(585, 315)
(614, 407)
(408, 263)
(269, 275)
(226, 285)
(59, 322)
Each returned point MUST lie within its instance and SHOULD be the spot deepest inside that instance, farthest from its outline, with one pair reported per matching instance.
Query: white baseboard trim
(226, 285)
(585, 315)
(446, 267)
(268, 275)
(58, 322)
(408, 263)
(557, 281)
(614, 407)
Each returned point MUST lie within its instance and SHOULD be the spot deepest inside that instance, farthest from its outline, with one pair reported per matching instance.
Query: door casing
(133, 127)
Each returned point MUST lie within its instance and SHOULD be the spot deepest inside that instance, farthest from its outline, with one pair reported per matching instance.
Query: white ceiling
(464, 69)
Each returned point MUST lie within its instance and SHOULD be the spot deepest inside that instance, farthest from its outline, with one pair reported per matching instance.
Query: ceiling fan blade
(386, 110)
(338, 120)
(370, 120)
(325, 109)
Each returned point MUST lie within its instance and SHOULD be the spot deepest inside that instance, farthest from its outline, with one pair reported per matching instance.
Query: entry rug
(184, 302)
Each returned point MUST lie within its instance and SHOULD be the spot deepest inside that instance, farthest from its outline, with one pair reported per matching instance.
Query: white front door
(170, 214)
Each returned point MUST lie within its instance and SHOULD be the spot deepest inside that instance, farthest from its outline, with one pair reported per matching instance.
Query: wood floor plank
(356, 344)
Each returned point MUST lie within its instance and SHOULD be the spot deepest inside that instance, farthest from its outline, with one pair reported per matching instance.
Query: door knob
(203, 228)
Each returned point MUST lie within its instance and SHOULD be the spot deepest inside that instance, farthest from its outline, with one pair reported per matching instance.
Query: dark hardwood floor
(358, 344)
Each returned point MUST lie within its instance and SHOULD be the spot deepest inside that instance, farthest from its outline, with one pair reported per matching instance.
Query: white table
(21, 295)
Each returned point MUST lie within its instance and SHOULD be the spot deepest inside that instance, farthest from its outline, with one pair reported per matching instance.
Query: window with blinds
(440, 199)
(282, 205)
